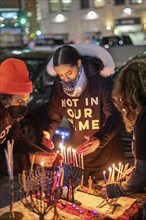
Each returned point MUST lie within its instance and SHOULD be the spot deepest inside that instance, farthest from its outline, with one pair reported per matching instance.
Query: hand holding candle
(47, 157)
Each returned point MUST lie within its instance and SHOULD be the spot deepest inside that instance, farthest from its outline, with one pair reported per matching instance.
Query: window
(54, 5)
(119, 2)
(60, 5)
(135, 1)
(98, 3)
(84, 4)
(66, 5)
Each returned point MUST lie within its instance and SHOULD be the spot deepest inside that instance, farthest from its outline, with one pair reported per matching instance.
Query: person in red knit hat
(15, 89)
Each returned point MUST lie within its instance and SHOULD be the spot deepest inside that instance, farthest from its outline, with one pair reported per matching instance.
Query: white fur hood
(92, 51)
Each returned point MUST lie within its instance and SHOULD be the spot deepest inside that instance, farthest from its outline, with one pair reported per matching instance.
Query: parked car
(49, 44)
(108, 41)
(39, 100)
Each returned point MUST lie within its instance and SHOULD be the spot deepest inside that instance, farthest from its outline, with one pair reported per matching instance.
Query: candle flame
(110, 169)
(69, 148)
(42, 163)
(120, 164)
(61, 146)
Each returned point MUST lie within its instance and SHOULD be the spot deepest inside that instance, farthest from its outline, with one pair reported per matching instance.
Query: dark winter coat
(10, 129)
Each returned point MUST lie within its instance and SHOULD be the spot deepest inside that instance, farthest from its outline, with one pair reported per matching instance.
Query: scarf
(75, 88)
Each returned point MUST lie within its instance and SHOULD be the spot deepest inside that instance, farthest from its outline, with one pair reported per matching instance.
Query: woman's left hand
(89, 146)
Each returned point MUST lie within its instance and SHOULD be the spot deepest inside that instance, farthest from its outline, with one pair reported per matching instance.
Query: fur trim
(92, 51)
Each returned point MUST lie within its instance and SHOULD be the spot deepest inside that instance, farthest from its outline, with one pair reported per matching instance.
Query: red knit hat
(14, 77)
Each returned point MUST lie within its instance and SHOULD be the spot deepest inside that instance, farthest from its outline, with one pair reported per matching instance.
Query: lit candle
(32, 162)
(64, 154)
(82, 161)
(119, 170)
(71, 161)
(79, 160)
(121, 173)
(61, 147)
(126, 168)
(82, 180)
(110, 173)
(104, 176)
(75, 157)
(68, 155)
(42, 164)
(113, 174)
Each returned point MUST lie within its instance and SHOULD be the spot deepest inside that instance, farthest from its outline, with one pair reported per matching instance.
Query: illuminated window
(66, 5)
(60, 5)
(54, 5)
(98, 3)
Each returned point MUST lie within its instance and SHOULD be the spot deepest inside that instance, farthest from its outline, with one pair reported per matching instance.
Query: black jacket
(10, 129)
(92, 113)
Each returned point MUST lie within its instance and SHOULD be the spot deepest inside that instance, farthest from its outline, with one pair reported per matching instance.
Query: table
(68, 211)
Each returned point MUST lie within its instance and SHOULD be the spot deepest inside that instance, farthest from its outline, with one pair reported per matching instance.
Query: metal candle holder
(73, 176)
(40, 190)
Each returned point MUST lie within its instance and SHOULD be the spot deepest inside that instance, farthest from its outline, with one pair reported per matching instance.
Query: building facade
(17, 22)
(81, 20)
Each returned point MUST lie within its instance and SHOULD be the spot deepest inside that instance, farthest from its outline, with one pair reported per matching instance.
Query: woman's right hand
(46, 140)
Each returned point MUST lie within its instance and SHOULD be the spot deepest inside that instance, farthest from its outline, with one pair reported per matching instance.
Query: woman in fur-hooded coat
(82, 94)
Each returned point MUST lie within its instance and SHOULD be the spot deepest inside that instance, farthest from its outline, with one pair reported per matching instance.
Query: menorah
(116, 173)
(40, 189)
(73, 176)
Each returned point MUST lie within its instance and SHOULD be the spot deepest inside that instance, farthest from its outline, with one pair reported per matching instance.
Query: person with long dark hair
(129, 96)
(82, 94)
